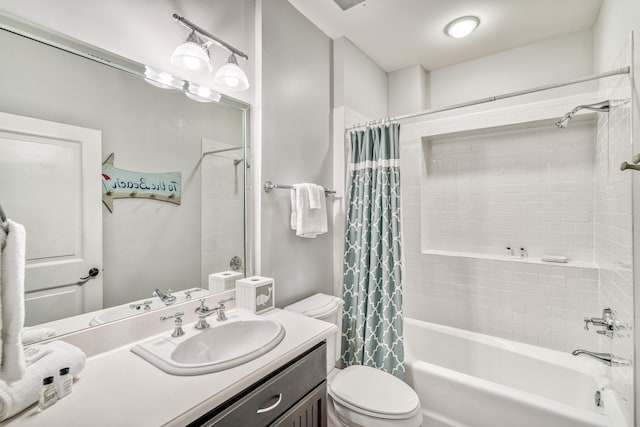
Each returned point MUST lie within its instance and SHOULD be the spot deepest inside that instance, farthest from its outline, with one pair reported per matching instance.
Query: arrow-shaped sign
(124, 184)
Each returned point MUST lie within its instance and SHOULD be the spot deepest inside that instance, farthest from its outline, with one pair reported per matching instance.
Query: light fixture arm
(193, 27)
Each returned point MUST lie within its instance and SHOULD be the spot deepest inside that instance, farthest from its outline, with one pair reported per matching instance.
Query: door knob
(92, 274)
(625, 165)
(635, 160)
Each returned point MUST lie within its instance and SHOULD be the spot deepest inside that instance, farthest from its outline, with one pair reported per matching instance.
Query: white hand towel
(294, 207)
(13, 365)
(309, 222)
(21, 394)
(316, 194)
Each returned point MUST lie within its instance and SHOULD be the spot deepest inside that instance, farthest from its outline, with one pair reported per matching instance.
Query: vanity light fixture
(201, 93)
(462, 27)
(161, 79)
(193, 55)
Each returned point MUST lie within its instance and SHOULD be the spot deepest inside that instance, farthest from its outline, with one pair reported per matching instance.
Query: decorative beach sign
(124, 184)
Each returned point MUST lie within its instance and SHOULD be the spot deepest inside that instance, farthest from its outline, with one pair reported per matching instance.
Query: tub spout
(606, 358)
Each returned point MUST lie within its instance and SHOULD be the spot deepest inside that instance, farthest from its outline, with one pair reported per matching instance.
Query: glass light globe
(192, 57)
(231, 76)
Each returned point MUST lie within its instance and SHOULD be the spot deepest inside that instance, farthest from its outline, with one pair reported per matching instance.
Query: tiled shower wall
(525, 301)
(464, 280)
(222, 212)
(529, 187)
(613, 226)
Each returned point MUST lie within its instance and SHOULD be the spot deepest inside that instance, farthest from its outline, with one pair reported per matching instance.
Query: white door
(50, 183)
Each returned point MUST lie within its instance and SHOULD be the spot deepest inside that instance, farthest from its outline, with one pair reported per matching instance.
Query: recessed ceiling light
(462, 27)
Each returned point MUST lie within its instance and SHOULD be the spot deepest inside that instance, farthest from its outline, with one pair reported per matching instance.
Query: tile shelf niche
(496, 257)
(531, 185)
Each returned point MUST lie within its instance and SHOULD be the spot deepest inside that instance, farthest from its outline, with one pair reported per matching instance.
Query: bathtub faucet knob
(607, 322)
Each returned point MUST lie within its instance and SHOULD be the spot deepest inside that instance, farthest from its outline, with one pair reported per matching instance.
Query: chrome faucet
(203, 312)
(165, 297)
(606, 358)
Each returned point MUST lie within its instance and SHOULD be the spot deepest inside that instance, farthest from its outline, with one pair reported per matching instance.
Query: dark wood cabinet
(309, 412)
(292, 395)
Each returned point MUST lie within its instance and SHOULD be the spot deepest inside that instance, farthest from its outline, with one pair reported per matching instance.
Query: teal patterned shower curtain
(372, 283)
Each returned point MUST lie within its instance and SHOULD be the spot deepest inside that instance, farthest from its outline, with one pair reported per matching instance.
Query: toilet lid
(371, 390)
(318, 305)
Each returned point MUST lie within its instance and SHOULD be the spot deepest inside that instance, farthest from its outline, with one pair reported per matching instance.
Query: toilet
(359, 396)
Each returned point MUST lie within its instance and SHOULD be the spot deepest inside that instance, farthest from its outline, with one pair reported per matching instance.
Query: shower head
(600, 107)
(563, 122)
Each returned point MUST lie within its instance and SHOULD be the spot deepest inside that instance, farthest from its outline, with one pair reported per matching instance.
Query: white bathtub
(466, 379)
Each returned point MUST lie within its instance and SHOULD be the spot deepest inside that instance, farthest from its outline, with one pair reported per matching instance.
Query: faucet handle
(224, 301)
(178, 329)
(202, 307)
(190, 291)
(586, 323)
(177, 316)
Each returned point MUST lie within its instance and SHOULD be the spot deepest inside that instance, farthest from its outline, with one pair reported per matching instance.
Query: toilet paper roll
(224, 280)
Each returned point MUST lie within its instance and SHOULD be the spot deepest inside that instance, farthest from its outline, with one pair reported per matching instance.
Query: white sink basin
(241, 338)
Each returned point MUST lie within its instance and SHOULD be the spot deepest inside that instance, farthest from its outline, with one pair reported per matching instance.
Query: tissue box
(255, 294)
(224, 280)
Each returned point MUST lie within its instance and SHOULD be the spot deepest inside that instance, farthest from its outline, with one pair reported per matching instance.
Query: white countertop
(118, 388)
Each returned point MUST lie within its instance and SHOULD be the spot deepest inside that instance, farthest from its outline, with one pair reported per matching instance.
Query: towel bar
(268, 186)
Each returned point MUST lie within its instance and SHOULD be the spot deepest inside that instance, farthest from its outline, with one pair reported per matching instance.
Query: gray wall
(359, 83)
(295, 147)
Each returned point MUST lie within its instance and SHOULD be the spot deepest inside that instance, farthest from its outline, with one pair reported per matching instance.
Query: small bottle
(523, 253)
(48, 394)
(509, 252)
(65, 381)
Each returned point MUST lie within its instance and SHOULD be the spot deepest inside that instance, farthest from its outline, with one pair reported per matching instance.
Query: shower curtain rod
(623, 70)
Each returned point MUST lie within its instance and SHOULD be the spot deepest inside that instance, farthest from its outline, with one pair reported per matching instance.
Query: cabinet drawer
(309, 412)
(263, 403)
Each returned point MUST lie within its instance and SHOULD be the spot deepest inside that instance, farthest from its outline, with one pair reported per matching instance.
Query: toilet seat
(358, 389)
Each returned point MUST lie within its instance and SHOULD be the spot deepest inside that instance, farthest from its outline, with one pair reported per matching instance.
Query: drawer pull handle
(272, 407)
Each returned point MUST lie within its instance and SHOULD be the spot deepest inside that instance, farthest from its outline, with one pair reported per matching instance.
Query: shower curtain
(372, 282)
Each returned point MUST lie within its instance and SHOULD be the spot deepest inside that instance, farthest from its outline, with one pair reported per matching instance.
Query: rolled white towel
(17, 396)
(33, 335)
(12, 294)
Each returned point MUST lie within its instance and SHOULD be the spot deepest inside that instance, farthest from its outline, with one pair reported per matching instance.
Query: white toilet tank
(328, 308)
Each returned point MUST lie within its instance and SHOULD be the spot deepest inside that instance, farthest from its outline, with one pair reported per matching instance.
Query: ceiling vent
(348, 4)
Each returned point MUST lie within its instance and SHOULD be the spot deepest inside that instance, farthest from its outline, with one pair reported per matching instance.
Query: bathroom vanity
(283, 387)
(293, 395)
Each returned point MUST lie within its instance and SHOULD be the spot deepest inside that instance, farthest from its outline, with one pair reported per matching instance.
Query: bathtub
(466, 379)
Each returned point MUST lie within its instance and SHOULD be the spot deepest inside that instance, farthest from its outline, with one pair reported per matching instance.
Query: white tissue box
(255, 294)
(224, 280)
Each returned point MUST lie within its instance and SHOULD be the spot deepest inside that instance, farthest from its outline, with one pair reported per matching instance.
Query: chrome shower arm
(599, 107)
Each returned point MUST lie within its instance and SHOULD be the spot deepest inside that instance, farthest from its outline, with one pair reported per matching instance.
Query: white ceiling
(400, 33)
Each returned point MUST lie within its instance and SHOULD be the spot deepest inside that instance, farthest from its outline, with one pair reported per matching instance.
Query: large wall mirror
(65, 107)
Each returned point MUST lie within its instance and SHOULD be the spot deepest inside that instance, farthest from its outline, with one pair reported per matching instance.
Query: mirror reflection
(177, 161)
